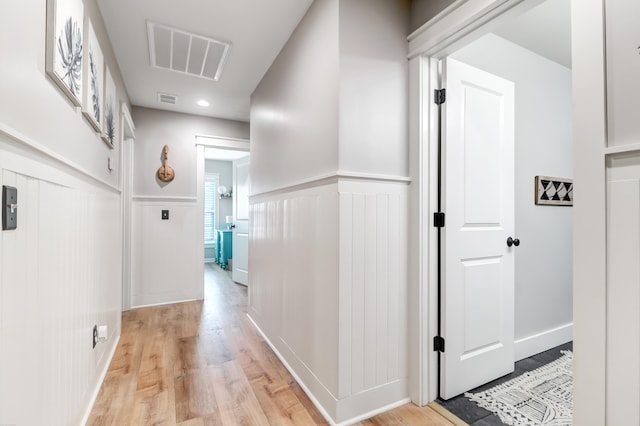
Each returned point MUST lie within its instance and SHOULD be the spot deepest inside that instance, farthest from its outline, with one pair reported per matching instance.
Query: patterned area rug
(540, 397)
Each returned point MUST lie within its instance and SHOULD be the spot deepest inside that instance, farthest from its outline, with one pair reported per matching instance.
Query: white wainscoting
(328, 289)
(540, 342)
(168, 256)
(60, 274)
(623, 290)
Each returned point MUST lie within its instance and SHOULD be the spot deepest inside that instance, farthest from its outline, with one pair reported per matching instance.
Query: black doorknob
(512, 242)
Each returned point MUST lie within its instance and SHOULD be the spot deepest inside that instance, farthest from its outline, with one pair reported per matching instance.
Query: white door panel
(240, 272)
(478, 286)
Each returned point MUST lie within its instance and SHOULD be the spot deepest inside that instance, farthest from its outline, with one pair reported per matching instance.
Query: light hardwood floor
(203, 363)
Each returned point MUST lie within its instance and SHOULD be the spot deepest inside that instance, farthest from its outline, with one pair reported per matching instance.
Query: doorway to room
(491, 304)
(223, 197)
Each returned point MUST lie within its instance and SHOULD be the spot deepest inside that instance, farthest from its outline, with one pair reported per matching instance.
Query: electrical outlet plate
(165, 214)
(9, 208)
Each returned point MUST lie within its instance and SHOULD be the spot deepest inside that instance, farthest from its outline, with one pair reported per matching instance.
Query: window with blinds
(210, 192)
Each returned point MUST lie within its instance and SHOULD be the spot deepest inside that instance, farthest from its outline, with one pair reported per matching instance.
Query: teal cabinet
(224, 249)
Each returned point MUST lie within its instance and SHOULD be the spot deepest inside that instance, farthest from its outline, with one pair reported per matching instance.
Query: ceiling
(545, 30)
(256, 30)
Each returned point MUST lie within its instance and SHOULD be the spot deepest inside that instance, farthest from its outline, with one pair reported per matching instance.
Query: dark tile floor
(468, 411)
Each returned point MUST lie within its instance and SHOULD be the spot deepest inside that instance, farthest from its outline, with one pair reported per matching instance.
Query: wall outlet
(95, 336)
(165, 214)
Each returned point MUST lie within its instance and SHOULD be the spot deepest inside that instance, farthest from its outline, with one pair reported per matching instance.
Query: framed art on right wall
(552, 191)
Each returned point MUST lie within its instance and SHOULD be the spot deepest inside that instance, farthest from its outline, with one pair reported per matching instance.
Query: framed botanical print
(93, 80)
(65, 43)
(109, 126)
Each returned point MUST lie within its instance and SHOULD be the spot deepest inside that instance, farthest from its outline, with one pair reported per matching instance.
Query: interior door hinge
(439, 96)
(438, 344)
(438, 220)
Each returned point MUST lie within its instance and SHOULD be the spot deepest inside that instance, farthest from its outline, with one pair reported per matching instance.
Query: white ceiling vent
(165, 98)
(186, 53)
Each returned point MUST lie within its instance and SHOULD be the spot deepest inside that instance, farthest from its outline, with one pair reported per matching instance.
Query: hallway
(203, 363)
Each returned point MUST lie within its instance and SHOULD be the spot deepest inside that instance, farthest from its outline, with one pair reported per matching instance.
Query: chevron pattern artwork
(553, 191)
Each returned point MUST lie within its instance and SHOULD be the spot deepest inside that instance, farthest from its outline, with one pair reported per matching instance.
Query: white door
(240, 273)
(478, 279)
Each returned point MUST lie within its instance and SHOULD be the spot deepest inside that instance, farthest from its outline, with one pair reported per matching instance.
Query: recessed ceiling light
(203, 103)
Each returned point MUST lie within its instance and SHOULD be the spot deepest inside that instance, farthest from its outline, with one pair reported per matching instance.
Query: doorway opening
(223, 197)
(529, 46)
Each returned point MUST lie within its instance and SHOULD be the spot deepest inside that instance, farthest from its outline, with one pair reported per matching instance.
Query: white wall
(154, 129)
(167, 255)
(294, 109)
(373, 87)
(32, 104)
(543, 147)
(328, 237)
(61, 269)
(423, 10)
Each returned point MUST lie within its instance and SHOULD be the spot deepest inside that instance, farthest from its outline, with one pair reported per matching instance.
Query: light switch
(165, 214)
(9, 208)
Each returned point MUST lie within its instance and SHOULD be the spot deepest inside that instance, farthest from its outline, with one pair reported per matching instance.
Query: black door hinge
(439, 96)
(438, 344)
(438, 220)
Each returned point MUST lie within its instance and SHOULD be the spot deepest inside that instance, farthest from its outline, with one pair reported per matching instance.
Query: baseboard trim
(339, 403)
(171, 302)
(103, 374)
(375, 412)
(297, 378)
(531, 345)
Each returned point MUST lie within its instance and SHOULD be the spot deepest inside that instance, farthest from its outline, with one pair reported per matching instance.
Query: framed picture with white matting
(552, 191)
(65, 44)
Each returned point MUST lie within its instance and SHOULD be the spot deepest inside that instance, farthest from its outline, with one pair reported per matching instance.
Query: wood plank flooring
(203, 363)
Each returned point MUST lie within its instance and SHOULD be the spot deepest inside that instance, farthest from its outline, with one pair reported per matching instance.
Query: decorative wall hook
(166, 173)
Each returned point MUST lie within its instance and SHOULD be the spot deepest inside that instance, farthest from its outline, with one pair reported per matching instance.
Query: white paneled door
(478, 280)
(240, 273)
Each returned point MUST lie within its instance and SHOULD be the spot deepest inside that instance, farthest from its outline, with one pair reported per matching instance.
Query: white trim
(129, 128)
(235, 144)
(126, 184)
(457, 25)
(291, 371)
(41, 149)
(623, 149)
(589, 213)
(315, 402)
(330, 178)
(164, 199)
(375, 412)
(531, 345)
(371, 176)
(448, 30)
(96, 390)
(150, 305)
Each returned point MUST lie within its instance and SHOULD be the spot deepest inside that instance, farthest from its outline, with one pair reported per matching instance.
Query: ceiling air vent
(165, 98)
(186, 53)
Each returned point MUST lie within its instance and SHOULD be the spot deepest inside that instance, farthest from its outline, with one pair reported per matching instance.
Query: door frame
(454, 27)
(126, 184)
(207, 141)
